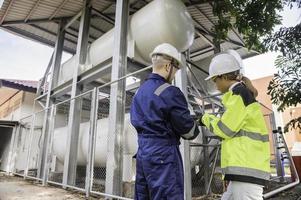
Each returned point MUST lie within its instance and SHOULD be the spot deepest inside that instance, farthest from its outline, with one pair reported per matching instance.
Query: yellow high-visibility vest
(245, 150)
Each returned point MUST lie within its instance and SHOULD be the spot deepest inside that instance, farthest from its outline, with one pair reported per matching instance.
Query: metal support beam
(181, 82)
(72, 20)
(117, 101)
(104, 17)
(32, 10)
(42, 82)
(57, 58)
(75, 104)
(204, 37)
(15, 148)
(12, 150)
(6, 11)
(92, 141)
(58, 9)
(55, 68)
(50, 32)
(33, 21)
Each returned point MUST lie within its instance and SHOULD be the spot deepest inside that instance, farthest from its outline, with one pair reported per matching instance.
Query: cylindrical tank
(159, 21)
(130, 145)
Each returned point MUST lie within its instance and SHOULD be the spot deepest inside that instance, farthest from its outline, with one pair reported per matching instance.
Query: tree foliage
(253, 19)
(285, 87)
(256, 19)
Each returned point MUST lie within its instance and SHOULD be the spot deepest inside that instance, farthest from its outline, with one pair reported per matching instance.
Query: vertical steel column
(55, 68)
(12, 149)
(181, 82)
(206, 161)
(117, 101)
(92, 141)
(48, 145)
(70, 163)
(30, 145)
(16, 147)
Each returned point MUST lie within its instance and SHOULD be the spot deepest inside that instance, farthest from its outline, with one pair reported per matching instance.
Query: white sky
(24, 59)
(263, 65)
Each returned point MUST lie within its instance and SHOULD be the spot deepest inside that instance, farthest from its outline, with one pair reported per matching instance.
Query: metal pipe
(108, 195)
(66, 186)
(213, 168)
(274, 192)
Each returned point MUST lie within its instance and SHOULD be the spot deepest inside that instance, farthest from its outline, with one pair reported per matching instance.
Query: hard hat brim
(209, 78)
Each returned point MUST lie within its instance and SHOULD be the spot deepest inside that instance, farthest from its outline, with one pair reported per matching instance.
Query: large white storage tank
(159, 21)
(130, 145)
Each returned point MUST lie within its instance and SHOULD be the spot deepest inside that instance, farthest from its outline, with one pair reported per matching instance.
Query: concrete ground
(15, 188)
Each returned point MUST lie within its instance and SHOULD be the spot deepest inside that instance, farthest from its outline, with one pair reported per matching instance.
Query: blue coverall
(160, 114)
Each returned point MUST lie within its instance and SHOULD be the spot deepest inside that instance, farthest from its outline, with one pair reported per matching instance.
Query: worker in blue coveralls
(159, 113)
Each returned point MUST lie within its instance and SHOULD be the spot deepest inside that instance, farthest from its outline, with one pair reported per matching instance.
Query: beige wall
(11, 102)
(290, 113)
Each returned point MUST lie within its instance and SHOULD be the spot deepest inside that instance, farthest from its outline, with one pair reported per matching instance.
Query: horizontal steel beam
(33, 21)
(104, 17)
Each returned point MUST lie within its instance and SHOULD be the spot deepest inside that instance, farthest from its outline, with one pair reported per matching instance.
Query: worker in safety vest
(245, 148)
(159, 113)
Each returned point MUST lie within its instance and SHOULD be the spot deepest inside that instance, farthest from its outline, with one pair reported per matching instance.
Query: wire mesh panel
(83, 141)
(100, 147)
(128, 147)
(22, 145)
(58, 142)
(35, 144)
(198, 171)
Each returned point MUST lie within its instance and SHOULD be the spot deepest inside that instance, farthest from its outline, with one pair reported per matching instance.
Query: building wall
(281, 117)
(10, 103)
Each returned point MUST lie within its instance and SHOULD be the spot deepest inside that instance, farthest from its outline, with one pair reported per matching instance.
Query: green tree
(285, 87)
(256, 19)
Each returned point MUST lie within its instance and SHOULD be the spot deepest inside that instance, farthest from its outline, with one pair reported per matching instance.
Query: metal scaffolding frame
(117, 101)
(117, 87)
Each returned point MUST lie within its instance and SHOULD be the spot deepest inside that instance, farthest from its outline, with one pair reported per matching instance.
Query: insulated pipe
(130, 145)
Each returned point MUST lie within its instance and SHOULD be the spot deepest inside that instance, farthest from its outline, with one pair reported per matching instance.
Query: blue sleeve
(178, 114)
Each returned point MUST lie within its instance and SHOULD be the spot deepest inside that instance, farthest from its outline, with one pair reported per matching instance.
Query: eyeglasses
(214, 78)
(175, 63)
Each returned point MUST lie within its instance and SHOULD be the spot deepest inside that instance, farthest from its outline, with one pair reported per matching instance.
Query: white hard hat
(168, 50)
(222, 64)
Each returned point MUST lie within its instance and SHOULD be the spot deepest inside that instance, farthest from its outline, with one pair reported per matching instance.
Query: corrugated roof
(26, 85)
(38, 20)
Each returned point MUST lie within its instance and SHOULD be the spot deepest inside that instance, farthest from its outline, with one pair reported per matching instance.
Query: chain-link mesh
(22, 145)
(58, 142)
(35, 144)
(100, 148)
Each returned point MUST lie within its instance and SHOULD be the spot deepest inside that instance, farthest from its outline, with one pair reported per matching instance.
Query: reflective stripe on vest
(251, 135)
(246, 172)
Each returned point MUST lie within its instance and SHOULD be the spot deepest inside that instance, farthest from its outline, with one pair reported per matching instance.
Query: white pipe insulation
(158, 22)
(130, 145)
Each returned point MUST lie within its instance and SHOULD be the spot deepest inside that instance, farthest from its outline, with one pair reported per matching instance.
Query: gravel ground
(15, 188)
